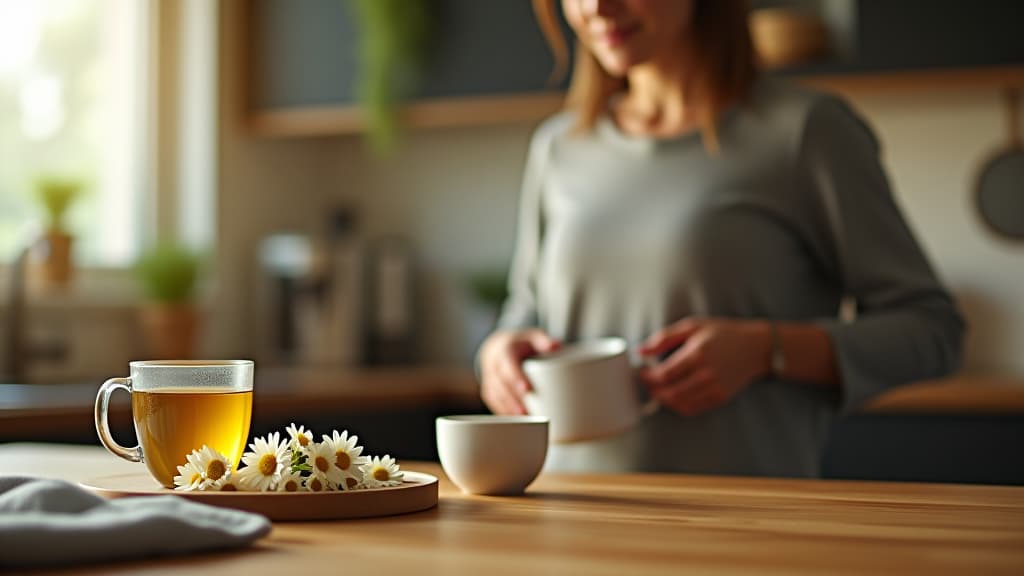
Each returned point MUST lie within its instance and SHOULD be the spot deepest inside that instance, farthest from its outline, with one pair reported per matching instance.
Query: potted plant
(168, 274)
(53, 251)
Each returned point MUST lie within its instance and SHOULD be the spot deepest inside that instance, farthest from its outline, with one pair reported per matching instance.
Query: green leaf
(57, 193)
(168, 273)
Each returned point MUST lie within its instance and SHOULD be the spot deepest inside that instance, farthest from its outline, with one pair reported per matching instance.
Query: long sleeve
(907, 326)
(520, 309)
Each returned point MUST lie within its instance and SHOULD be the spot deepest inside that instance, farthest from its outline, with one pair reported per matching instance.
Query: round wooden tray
(418, 492)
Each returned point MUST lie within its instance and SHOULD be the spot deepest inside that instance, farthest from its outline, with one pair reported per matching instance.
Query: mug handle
(652, 405)
(103, 426)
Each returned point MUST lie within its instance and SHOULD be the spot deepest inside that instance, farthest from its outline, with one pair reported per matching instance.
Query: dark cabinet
(916, 35)
(305, 53)
(911, 34)
(490, 63)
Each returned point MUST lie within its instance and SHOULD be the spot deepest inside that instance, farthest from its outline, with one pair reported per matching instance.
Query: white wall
(454, 194)
(934, 148)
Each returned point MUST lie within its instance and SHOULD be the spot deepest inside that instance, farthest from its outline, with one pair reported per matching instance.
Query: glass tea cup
(179, 406)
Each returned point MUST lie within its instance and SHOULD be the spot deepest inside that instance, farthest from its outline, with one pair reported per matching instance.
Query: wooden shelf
(504, 109)
(475, 111)
(897, 81)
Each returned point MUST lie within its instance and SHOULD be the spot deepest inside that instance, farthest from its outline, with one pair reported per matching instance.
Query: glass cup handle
(133, 454)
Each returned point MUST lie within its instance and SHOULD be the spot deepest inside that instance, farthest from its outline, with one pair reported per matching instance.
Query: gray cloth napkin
(52, 522)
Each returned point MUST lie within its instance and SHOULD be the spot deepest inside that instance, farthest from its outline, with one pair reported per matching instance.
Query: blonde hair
(725, 68)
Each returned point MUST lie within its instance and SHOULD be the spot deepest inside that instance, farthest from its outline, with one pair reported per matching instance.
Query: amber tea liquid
(171, 423)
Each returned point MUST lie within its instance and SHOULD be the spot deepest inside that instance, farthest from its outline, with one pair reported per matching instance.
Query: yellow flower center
(322, 464)
(215, 469)
(196, 478)
(303, 441)
(315, 485)
(342, 460)
(291, 486)
(381, 474)
(229, 488)
(267, 464)
(351, 482)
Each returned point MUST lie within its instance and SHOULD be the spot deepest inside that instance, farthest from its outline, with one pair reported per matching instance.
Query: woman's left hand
(715, 359)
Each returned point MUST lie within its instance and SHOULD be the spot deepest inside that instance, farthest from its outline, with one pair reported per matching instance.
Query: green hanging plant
(395, 37)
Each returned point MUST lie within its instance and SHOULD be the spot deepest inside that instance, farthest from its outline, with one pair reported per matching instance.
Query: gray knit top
(623, 235)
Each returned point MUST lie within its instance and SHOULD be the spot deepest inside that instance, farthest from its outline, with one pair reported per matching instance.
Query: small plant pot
(170, 330)
(51, 260)
(787, 37)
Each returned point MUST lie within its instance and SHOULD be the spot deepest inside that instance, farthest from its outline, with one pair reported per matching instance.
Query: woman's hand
(715, 359)
(503, 383)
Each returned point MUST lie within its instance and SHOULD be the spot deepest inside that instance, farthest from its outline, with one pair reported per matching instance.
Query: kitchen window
(73, 90)
(120, 95)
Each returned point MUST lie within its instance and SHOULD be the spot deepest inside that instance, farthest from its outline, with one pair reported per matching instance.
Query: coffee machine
(308, 301)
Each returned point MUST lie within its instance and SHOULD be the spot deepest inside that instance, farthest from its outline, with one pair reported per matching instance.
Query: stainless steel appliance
(308, 302)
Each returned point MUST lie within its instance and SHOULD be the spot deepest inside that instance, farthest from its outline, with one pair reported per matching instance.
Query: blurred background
(329, 187)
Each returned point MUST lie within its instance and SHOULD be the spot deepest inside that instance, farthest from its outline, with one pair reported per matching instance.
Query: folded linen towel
(46, 522)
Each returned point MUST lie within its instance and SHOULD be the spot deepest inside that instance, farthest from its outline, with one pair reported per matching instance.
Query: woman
(718, 220)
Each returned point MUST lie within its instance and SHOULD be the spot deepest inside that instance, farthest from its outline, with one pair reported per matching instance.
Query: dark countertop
(280, 393)
(30, 409)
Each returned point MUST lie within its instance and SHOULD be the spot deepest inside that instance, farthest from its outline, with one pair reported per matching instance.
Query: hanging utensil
(999, 197)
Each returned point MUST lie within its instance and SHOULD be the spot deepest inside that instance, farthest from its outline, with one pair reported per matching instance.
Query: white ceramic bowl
(499, 455)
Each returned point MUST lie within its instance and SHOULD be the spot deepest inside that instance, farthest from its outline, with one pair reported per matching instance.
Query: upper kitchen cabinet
(909, 44)
(911, 34)
(488, 63)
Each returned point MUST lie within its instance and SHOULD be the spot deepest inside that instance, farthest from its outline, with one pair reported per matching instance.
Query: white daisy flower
(227, 483)
(381, 472)
(315, 483)
(347, 459)
(265, 463)
(211, 464)
(189, 478)
(321, 457)
(290, 482)
(300, 437)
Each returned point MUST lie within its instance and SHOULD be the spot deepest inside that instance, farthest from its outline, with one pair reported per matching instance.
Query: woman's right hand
(502, 381)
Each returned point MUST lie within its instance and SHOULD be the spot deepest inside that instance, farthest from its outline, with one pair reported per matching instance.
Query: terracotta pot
(170, 330)
(51, 260)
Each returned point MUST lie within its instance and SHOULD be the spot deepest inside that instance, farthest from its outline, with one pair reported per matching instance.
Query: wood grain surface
(624, 525)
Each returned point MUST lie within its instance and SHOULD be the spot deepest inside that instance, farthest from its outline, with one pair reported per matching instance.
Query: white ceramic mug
(587, 389)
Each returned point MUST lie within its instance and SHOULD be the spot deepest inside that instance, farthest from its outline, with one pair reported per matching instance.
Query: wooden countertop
(960, 394)
(623, 524)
